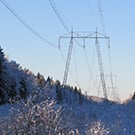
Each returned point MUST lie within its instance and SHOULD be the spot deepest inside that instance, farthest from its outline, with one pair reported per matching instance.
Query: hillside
(16, 82)
(61, 110)
(49, 108)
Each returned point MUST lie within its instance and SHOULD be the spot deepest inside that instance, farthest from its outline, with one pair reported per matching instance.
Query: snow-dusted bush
(32, 119)
(35, 116)
(41, 114)
(97, 128)
(56, 110)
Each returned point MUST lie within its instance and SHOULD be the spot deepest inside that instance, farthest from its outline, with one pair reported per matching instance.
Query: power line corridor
(73, 37)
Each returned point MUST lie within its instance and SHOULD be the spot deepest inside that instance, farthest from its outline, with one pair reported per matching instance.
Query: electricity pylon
(68, 59)
(96, 35)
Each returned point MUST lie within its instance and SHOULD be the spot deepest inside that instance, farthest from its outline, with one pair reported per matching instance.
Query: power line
(61, 19)
(101, 15)
(25, 24)
(99, 2)
(58, 15)
(64, 60)
(90, 68)
(75, 65)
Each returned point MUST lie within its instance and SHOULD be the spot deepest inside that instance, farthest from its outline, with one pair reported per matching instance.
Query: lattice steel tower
(95, 36)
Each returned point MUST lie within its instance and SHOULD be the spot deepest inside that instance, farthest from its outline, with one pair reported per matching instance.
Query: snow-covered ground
(5, 109)
(50, 108)
(60, 110)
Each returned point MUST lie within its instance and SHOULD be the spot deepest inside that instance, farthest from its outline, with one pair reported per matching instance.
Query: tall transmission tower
(96, 35)
(68, 59)
(100, 65)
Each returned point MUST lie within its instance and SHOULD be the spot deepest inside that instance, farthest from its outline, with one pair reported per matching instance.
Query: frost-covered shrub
(97, 128)
(42, 114)
(32, 118)
(39, 118)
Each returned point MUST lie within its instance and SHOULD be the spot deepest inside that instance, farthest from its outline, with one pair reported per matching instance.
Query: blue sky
(22, 46)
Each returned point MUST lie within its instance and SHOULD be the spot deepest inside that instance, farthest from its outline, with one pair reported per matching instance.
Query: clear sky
(22, 46)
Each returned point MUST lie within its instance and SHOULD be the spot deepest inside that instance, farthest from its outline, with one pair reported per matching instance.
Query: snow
(54, 109)
(71, 114)
(5, 109)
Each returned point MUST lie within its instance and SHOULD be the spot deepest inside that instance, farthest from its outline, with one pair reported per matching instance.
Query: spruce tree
(40, 80)
(23, 88)
(3, 82)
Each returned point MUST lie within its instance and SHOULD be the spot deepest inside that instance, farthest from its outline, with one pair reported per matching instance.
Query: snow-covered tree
(3, 79)
(40, 80)
(15, 82)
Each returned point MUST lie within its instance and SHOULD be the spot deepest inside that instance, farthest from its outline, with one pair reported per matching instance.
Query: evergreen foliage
(15, 82)
(3, 81)
(40, 80)
(50, 108)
